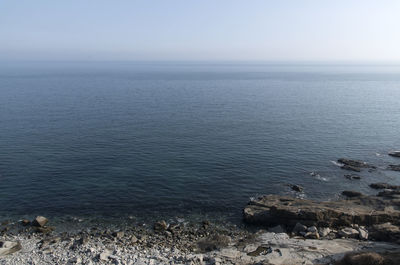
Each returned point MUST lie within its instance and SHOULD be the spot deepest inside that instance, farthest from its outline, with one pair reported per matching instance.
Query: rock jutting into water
(395, 153)
(271, 210)
(394, 167)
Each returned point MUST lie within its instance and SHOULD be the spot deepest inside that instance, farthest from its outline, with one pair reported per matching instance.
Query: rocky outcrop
(271, 210)
(352, 176)
(394, 167)
(382, 186)
(354, 165)
(395, 153)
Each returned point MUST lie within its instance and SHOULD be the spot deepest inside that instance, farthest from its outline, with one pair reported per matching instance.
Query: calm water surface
(143, 139)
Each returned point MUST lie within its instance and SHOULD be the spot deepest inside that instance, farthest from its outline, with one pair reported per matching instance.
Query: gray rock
(348, 232)
(9, 247)
(394, 167)
(312, 235)
(354, 163)
(299, 228)
(296, 188)
(383, 186)
(324, 231)
(352, 176)
(362, 233)
(105, 254)
(351, 168)
(40, 221)
(351, 194)
(312, 229)
(119, 234)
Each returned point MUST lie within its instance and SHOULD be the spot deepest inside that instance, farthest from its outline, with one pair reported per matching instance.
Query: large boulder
(271, 210)
(382, 186)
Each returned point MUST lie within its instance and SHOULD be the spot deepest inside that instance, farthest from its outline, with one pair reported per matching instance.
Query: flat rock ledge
(272, 210)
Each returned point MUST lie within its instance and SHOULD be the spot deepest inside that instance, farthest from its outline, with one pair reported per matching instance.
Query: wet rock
(160, 226)
(351, 194)
(276, 229)
(296, 188)
(355, 163)
(351, 168)
(348, 232)
(381, 186)
(394, 167)
(395, 153)
(9, 247)
(40, 221)
(271, 210)
(25, 222)
(352, 176)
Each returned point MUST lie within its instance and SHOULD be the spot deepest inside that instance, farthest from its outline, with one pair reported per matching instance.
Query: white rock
(324, 231)
(362, 233)
(348, 232)
(312, 229)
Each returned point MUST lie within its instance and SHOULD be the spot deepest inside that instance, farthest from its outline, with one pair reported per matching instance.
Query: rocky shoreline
(357, 229)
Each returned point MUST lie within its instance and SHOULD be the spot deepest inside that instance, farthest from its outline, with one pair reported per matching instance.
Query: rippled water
(142, 139)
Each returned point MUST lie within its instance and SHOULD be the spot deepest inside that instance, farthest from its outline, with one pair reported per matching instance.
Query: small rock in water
(352, 176)
(352, 194)
(9, 247)
(351, 168)
(394, 167)
(40, 221)
(296, 188)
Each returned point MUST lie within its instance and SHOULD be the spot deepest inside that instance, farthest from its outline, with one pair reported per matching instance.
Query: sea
(150, 140)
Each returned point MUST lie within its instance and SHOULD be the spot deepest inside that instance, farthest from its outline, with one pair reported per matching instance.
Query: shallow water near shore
(111, 141)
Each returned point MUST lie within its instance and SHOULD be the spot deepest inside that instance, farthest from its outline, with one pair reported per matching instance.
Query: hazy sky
(311, 30)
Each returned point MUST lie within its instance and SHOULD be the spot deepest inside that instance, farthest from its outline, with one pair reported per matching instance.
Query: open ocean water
(115, 139)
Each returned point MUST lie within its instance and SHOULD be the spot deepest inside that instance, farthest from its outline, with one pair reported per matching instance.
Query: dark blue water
(142, 139)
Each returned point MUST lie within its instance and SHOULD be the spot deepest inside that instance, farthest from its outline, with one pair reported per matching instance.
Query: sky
(261, 30)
